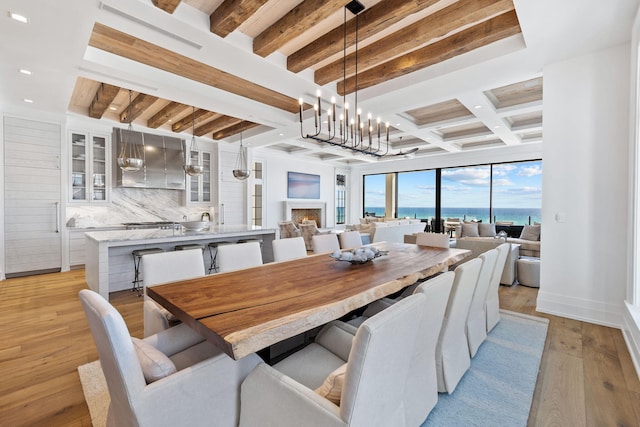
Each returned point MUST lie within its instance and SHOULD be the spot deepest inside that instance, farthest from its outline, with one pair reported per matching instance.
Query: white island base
(109, 260)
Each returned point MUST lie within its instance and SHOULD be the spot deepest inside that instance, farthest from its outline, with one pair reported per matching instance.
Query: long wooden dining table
(248, 310)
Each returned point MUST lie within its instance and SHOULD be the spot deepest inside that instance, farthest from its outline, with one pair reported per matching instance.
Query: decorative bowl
(360, 255)
(195, 225)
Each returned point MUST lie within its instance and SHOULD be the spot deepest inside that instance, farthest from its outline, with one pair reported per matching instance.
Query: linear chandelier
(354, 133)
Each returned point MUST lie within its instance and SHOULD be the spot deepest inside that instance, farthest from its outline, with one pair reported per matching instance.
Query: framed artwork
(303, 186)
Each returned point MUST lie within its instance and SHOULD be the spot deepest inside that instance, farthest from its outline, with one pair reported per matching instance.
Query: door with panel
(32, 182)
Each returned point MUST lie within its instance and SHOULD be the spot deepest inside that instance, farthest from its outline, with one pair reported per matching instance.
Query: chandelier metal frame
(352, 134)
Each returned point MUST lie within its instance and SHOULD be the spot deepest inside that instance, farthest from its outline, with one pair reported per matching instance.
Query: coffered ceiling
(220, 67)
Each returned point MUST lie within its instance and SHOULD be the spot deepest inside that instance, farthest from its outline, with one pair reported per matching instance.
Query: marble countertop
(156, 233)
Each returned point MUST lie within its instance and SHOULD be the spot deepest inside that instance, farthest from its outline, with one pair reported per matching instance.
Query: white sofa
(390, 230)
(528, 246)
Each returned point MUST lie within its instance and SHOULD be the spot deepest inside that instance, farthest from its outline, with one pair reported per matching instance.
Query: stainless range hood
(163, 161)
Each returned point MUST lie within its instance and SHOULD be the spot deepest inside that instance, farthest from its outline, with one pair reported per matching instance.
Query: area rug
(498, 388)
(94, 387)
(496, 391)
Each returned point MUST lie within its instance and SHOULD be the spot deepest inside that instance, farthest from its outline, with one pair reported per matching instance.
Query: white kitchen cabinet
(90, 167)
(199, 188)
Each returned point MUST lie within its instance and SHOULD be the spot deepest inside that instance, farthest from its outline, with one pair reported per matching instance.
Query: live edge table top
(247, 310)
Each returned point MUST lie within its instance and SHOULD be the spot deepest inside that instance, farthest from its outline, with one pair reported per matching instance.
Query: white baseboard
(581, 309)
(631, 333)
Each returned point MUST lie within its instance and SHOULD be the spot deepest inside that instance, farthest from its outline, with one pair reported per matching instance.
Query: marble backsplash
(135, 205)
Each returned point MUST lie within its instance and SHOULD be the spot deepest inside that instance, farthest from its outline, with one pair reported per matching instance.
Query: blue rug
(498, 388)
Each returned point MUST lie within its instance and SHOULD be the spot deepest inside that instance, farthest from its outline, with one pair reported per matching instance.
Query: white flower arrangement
(358, 255)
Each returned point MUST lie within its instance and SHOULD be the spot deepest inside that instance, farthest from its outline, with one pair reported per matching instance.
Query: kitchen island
(109, 262)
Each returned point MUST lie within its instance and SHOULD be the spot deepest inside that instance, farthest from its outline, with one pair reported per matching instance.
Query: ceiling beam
(168, 6)
(300, 19)
(217, 125)
(465, 41)
(231, 14)
(199, 117)
(137, 107)
(233, 130)
(370, 22)
(454, 18)
(122, 44)
(170, 110)
(103, 98)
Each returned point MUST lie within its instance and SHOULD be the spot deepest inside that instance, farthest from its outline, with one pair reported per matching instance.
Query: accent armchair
(372, 394)
(167, 378)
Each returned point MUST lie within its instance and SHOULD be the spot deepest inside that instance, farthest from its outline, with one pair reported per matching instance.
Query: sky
(515, 185)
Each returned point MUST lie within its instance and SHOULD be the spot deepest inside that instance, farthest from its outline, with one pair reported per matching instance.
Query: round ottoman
(529, 271)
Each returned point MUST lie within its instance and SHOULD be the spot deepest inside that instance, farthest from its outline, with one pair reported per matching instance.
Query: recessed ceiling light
(18, 17)
(496, 127)
(28, 101)
(477, 107)
(281, 134)
(397, 124)
(23, 71)
(113, 108)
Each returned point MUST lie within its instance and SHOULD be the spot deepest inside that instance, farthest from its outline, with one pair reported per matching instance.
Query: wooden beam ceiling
(465, 41)
(137, 107)
(200, 116)
(233, 130)
(231, 13)
(122, 44)
(217, 125)
(451, 19)
(168, 6)
(103, 98)
(371, 21)
(171, 110)
(300, 19)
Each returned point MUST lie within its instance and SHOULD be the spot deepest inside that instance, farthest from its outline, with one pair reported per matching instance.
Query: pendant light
(242, 170)
(192, 169)
(130, 157)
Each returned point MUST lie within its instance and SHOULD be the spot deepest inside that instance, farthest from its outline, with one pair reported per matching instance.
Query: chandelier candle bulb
(387, 131)
(333, 107)
(315, 115)
(318, 93)
(329, 119)
(301, 101)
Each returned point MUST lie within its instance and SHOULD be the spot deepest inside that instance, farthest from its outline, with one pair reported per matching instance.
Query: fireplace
(299, 211)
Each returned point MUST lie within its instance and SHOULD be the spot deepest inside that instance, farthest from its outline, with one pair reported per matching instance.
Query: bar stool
(214, 255)
(137, 257)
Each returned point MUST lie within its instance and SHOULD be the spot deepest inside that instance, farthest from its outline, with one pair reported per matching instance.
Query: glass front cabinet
(90, 167)
(199, 187)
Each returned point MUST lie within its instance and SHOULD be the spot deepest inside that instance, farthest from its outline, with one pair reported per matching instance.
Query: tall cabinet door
(233, 196)
(32, 196)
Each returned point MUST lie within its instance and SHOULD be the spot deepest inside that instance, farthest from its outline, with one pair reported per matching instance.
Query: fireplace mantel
(304, 204)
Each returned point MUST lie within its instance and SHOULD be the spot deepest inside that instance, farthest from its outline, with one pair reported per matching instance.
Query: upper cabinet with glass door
(90, 169)
(200, 186)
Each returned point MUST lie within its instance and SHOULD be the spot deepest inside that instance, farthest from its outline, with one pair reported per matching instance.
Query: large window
(508, 193)
(517, 192)
(417, 194)
(374, 195)
(466, 193)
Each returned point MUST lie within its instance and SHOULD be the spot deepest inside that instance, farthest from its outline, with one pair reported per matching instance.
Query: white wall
(584, 204)
(275, 184)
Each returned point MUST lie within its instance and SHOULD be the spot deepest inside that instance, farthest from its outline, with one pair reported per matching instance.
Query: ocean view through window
(507, 193)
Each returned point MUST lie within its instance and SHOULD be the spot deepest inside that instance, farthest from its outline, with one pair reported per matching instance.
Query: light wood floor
(586, 376)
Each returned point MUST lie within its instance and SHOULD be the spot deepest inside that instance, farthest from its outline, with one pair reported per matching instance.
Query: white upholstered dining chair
(166, 378)
(492, 303)
(290, 248)
(438, 240)
(477, 317)
(350, 239)
(452, 351)
(292, 392)
(325, 243)
(239, 256)
(164, 267)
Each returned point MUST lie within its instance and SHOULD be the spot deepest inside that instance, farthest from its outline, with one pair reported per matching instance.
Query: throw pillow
(331, 388)
(487, 230)
(530, 232)
(154, 363)
(470, 229)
